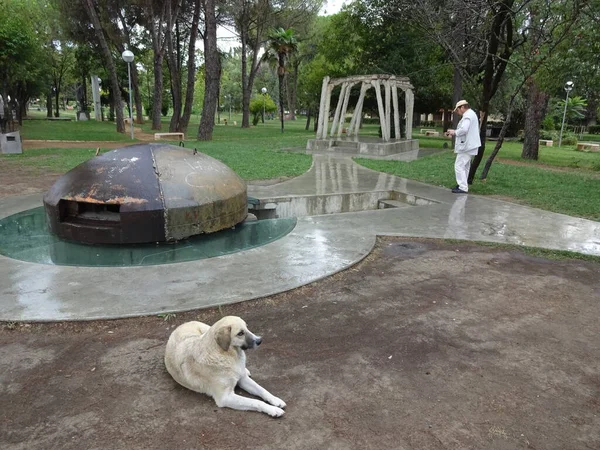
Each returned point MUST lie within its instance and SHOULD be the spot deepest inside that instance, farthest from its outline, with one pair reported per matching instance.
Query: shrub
(548, 123)
(548, 135)
(257, 103)
(594, 129)
(569, 139)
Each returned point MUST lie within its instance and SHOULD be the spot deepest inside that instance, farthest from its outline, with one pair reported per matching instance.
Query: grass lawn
(576, 193)
(565, 156)
(89, 130)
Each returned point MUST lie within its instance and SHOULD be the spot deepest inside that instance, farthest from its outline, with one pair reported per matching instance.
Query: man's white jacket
(467, 134)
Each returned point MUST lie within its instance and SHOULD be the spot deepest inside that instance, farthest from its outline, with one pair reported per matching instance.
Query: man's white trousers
(461, 169)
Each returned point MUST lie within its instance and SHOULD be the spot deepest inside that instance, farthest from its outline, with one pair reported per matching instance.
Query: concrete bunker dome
(145, 193)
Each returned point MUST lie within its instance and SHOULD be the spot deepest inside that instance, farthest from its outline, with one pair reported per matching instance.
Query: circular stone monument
(145, 193)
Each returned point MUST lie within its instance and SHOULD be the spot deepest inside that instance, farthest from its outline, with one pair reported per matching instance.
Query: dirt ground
(424, 345)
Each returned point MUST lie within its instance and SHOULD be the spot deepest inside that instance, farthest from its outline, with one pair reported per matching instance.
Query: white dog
(211, 360)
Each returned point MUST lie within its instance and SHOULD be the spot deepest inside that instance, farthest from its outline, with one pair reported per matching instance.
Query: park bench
(588, 147)
(178, 135)
(432, 133)
(425, 130)
(546, 142)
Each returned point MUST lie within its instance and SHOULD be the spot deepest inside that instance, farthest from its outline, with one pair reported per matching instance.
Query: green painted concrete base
(25, 237)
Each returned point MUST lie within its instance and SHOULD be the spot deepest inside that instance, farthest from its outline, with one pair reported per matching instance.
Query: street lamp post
(568, 88)
(128, 58)
(264, 94)
(229, 108)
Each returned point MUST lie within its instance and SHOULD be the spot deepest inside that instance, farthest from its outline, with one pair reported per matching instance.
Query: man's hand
(450, 132)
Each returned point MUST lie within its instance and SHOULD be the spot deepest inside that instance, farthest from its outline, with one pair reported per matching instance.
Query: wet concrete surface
(319, 246)
(423, 345)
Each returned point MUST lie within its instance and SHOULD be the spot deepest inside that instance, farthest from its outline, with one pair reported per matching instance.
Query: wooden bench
(178, 135)
(546, 142)
(588, 147)
(425, 130)
(432, 133)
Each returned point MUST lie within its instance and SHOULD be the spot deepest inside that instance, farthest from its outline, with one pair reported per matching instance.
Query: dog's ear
(224, 337)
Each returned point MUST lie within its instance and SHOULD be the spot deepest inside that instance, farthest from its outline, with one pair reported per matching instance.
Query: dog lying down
(211, 360)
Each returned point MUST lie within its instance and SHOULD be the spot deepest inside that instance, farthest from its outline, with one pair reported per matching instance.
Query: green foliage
(22, 56)
(569, 138)
(576, 107)
(548, 123)
(257, 103)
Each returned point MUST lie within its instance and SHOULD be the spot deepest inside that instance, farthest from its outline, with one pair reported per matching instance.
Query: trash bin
(11, 143)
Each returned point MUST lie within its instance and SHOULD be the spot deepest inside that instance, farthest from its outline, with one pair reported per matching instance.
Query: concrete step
(384, 203)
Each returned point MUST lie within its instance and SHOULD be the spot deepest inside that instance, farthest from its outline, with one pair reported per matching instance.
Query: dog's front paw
(275, 401)
(274, 411)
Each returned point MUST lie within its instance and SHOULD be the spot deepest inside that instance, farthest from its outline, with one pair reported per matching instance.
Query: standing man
(466, 146)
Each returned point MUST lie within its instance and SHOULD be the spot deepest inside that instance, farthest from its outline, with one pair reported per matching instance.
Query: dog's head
(232, 331)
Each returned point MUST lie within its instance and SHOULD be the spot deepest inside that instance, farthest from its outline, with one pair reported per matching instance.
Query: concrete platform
(362, 145)
(318, 247)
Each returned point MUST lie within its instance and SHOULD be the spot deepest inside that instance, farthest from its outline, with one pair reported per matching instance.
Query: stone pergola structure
(390, 84)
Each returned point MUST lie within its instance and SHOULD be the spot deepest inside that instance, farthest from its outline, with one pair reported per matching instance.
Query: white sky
(227, 39)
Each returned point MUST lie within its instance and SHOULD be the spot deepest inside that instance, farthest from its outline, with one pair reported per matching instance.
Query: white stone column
(338, 109)
(344, 108)
(376, 84)
(96, 98)
(410, 105)
(322, 114)
(396, 111)
(355, 121)
(388, 109)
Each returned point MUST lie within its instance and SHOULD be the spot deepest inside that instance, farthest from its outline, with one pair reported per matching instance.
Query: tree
(159, 18)
(22, 57)
(548, 29)
(282, 43)
(90, 9)
(478, 37)
(212, 71)
(62, 62)
(252, 20)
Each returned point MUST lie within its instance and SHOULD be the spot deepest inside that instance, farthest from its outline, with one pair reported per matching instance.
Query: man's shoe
(459, 191)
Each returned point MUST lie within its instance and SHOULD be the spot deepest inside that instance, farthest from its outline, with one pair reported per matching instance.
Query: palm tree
(282, 43)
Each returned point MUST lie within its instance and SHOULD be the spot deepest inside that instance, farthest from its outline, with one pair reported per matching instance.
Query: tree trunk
(56, 103)
(191, 69)
(49, 104)
(248, 76)
(307, 127)
(494, 67)
(246, 91)
(281, 74)
(137, 98)
(212, 72)
(158, 91)
(488, 163)
(174, 68)
(537, 103)
(108, 60)
(291, 89)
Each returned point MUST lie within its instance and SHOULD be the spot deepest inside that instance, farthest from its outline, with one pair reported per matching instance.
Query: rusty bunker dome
(145, 193)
